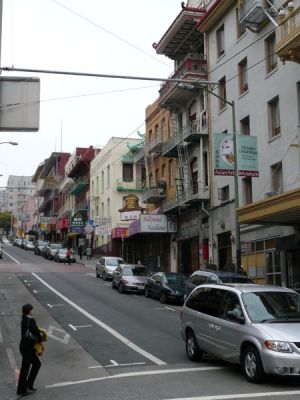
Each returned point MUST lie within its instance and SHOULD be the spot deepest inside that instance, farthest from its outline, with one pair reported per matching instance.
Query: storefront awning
(281, 209)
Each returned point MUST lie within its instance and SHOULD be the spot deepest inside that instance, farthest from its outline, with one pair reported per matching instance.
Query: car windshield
(134, 271)
(177, 279)
(272, 306)
(235, 279)
(114, 262)
(62, 251)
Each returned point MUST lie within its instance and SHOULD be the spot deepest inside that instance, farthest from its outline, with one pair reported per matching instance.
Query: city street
(103, 344)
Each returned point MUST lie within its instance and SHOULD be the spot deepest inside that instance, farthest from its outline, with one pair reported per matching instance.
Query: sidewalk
(88, 263)
(64, 358)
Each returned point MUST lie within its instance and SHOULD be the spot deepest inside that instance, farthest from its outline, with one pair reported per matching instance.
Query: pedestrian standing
(80, 251)
(88, 253)
(68, 256)
(30, 335)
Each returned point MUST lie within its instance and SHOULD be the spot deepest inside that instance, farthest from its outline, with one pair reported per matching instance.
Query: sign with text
(247, 158)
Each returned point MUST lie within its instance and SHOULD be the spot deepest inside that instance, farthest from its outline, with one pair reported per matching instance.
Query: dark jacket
(27, 345)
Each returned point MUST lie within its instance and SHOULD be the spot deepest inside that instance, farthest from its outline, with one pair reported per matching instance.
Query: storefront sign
(131, 209)
(79, 219)
(247, 160)
(119, 232)
(102, 225)
(153, 223)
(129, 215)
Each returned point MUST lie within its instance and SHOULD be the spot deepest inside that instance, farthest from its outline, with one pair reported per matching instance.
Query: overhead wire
(109, 32)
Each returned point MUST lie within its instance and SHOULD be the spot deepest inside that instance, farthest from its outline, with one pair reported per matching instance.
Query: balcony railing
(288, 39)
(134, 186)
(153, 195)
(189, 133)
(155, 145)
(192, 67)
(78, 186)
(254, 12)
(185, 199)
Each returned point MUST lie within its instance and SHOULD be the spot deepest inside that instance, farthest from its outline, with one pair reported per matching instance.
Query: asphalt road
(127, 346)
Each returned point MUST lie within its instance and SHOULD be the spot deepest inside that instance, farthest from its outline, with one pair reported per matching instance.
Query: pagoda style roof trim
(182, 33)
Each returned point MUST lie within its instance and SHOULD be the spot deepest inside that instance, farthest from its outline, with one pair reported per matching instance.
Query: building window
(156, 177)
(150, 136)
(220, 41)
(150, 180)
(102, 209)
(127, 172)
(108, 207)
(247, 190)
(271, 58)
(274, 117)
(171, 173)
(163, 128)
(240, 28)
(163, 171)
(205, 168)
(102, 181)
(97, 185)
(276, 178)
(108, 176)
(245, 126)
(156, 132)
(223, 193)
(222, 93)
(243, 76)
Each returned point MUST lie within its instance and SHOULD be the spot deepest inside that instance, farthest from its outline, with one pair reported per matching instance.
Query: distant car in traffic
(105, 266)
(129, 278)
(28, 245)
(38, 247)
(201, 277)
(5, 240)
(17, 242)
(257, 326)
(166, 287)
(61, 256)
(51, 249)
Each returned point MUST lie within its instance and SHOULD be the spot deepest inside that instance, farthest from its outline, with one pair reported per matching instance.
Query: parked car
(166, 287)
(23, 243)
(38, 247)
(17, 242)
(105, 266)
(61, 256)
(28, 245)
(208, 276)
(129, 278)
(257, 326)
(51, 249)
(5, 240)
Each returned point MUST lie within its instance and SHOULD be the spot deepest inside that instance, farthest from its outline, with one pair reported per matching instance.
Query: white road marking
(54, 305)
(72, 327)
(13, 364)
(107, 284)
(35, 291)
(118, 365)
(113, 362)
(112, 331)
(169, 308)
(241, 395)
(1, 337)
(135, 374)
(52, 329)
(28, 284)
(16, 261)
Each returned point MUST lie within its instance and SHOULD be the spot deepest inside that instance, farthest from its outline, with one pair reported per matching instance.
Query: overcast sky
(41, 34)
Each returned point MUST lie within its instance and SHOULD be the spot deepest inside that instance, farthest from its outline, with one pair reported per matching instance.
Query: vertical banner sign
(224, 155)
(247, 157)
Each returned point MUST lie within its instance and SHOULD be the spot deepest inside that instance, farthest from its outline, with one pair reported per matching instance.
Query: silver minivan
(105, 266)
(257, 326)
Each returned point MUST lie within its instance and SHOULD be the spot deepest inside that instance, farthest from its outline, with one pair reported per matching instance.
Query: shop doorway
(273, 268)
(293, 270)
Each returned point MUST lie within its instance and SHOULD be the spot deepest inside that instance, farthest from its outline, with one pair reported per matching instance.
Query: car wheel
(104, 277)
(97, 274)
(121, 288)
(147, 292)
(252, 365)
(163, 298)
(192, 349)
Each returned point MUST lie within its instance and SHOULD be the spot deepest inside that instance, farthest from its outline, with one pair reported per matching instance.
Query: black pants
(27, 374)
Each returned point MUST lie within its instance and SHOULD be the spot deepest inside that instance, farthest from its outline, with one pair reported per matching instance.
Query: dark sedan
(167, 287)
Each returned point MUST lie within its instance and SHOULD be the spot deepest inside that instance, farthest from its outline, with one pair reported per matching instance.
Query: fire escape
(183, 43)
